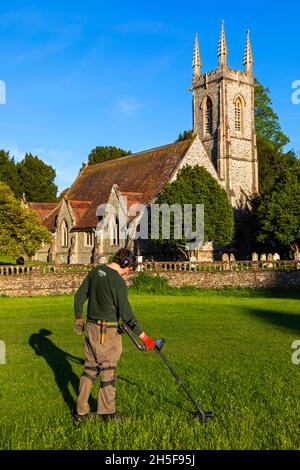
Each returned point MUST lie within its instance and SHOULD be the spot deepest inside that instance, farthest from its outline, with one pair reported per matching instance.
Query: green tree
(21, 231)
(196, 186)
(272, 162)
(37, 179)
(103, 154)
(8, 172)
(266, 120)
(185, 136)
(277, 214)
(274, 216)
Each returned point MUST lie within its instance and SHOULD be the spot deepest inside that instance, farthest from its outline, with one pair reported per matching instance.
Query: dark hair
(125, 258)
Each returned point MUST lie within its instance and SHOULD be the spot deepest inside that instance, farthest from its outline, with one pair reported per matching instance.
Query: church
(223, 142)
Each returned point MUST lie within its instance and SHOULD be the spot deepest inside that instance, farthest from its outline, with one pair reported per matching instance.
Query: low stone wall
(234, 279)
(36, 284)
(33, 285)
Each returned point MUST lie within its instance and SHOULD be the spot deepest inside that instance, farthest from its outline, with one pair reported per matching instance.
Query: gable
(197, 155)
(64, 213)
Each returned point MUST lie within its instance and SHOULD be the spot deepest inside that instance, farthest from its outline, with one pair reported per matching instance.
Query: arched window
(238, 115)
(208, 116)
(64, 233)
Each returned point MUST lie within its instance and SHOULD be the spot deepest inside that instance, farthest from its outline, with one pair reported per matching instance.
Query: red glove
(147, 341)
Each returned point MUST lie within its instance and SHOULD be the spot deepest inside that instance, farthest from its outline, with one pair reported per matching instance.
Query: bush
(111, 258)
(145, 283)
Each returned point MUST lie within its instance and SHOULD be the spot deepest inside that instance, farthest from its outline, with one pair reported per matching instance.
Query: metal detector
(201, 415)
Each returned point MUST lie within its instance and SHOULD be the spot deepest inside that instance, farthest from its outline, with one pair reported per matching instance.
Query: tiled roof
(42, 208)
(50, 221)
(79, 209)
(141, 177)
(132, 198)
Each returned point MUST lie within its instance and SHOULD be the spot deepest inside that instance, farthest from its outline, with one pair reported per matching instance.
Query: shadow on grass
(265, 293)
(288, 321)
(58, 361)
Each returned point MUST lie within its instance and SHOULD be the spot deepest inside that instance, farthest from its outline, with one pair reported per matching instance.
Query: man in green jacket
(108, 303)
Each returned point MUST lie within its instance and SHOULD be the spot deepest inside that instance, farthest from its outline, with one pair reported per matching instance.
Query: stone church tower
(223, 117)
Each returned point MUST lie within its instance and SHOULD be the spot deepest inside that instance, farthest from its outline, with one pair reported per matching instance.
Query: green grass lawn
(6, 260)
(232, 351)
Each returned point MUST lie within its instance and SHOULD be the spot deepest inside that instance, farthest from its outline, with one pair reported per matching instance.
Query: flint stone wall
(37, 284)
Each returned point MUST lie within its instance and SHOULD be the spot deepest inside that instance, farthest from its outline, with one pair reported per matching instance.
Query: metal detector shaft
(158, 348)
(129, 332)
(179, 381)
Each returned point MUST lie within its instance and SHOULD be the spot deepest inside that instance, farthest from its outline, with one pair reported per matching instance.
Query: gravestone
(270, 260)
(139, 260)
(254, 257)
(226, 262)
(193, 260)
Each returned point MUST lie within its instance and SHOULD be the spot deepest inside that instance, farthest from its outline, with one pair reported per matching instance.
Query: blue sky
(80, 74)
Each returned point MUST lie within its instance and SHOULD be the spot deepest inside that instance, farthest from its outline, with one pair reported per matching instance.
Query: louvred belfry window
(238, 115)
(209, 116)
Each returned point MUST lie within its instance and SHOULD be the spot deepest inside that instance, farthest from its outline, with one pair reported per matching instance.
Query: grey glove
(79, 327)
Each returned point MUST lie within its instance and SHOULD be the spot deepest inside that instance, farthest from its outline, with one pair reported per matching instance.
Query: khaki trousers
(100, 361)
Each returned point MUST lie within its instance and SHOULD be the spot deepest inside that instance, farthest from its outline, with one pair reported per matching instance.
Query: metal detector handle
(133, 338)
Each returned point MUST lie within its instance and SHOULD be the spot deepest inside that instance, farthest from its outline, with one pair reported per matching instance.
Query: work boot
(111, 417)
(81, 418)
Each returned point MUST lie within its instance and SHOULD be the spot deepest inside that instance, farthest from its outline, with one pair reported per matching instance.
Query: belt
(111, 324)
